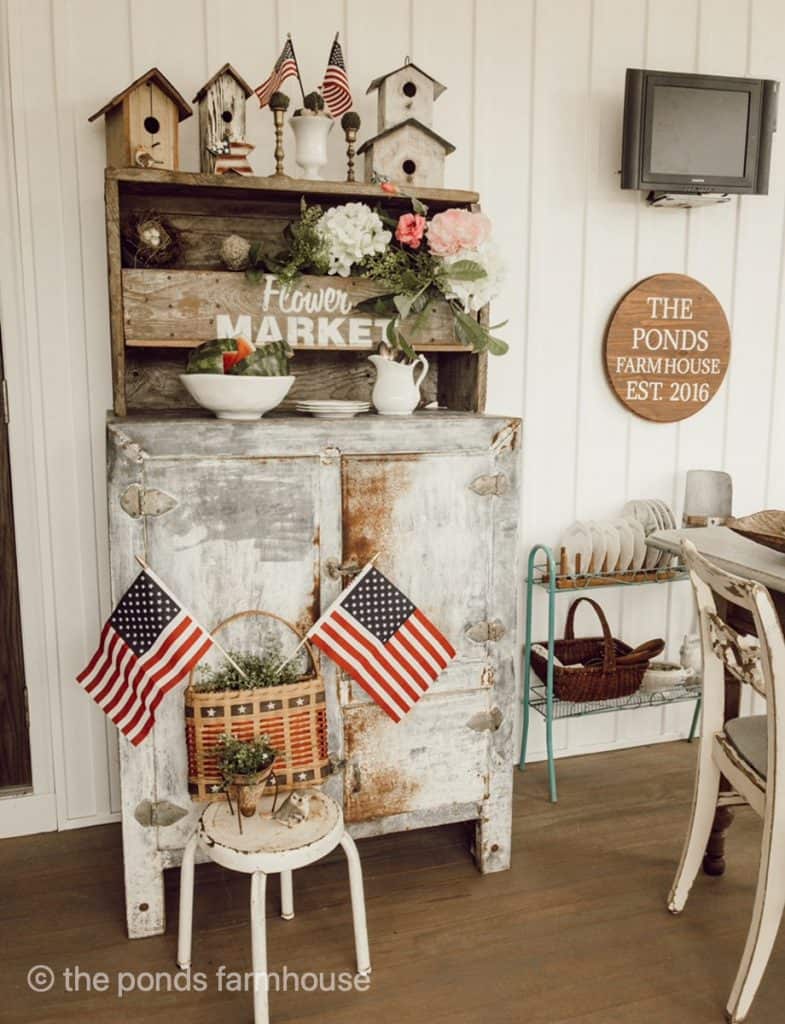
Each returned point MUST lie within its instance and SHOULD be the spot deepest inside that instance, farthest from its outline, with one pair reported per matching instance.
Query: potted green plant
(245, 766)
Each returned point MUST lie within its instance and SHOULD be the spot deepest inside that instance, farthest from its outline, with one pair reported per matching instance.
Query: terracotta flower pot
(246, 790)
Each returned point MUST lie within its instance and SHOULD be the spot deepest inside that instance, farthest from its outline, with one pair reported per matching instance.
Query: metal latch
(482, 632)
(336, 571)
(490, 484)
(138, 501)
(158, 814)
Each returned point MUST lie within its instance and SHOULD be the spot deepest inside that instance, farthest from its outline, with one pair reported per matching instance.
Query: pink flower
(455, 230)
(411, 228)
(389, 186)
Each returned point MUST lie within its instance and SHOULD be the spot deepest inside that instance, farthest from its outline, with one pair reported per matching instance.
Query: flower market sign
(667, 347)
(346, 277)
(186, 307)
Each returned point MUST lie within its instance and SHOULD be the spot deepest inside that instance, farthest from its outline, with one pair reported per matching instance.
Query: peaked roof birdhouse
(221, 114)
(142, 123)
(406, 92)
(406, 150)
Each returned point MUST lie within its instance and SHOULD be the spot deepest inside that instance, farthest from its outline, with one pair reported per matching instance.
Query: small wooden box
(158, 314)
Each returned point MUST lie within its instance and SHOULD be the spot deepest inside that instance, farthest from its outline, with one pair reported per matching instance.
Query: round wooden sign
(667, 347)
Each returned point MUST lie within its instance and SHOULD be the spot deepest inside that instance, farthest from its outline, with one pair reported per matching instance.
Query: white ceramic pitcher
(396, 391)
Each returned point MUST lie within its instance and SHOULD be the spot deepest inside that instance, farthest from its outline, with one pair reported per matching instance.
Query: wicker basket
(608, 667)
(294, 716)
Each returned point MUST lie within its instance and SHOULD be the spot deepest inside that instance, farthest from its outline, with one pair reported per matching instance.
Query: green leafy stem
(410, 308)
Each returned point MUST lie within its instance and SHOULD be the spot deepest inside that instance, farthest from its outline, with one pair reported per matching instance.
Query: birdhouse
(408, 153)
(407, 150)
(406, 92)
(221, 115)
(142, 123)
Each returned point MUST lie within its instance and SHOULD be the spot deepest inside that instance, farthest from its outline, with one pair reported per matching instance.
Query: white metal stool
(267, 847)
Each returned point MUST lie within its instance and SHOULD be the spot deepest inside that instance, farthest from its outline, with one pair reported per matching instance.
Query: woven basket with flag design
(293, 716)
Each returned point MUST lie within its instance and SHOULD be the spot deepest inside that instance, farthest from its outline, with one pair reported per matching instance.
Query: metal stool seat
(267, 847)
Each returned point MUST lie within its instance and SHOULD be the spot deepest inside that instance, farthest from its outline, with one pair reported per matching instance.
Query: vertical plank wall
(533, 105)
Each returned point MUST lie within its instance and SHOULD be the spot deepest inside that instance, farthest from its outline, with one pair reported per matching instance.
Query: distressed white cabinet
(260, 515)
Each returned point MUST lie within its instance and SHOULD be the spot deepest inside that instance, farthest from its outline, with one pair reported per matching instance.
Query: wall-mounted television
(697, 133)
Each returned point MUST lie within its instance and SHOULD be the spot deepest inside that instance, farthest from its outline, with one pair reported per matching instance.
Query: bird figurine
(294, 809)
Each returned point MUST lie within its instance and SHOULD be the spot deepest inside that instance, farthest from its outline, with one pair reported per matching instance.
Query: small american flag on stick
(335, 87)
(376, 634)
(147, 647)
(284, 68)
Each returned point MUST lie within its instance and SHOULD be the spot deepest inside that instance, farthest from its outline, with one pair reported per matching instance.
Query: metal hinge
(490, 484)
(138, 501)
(6, 408)
(27, 707)
(482, 632)
(507, 437)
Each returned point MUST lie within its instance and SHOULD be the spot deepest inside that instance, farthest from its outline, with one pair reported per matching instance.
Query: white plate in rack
(613, 550)
(639, 543)
(576, 540)
(599, 545)
(627, 544)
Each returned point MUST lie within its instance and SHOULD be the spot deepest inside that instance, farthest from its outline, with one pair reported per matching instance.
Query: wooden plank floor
(576, 932)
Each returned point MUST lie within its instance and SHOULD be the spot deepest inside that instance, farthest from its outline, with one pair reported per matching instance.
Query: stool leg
(358, 905)
(185, 925)
(261, 1013)
(287, 896)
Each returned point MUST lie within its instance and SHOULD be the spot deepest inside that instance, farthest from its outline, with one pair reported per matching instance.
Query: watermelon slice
(230, 359)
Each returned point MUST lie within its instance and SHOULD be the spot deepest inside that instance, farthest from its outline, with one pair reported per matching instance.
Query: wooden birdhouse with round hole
(142, 123)
(406, 92)
(221, 114)
(406, 149)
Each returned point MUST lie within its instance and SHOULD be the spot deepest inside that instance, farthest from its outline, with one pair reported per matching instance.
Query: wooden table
(753, 561)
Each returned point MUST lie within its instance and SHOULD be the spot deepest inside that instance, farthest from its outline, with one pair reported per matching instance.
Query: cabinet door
(244, 534)
(433, 527)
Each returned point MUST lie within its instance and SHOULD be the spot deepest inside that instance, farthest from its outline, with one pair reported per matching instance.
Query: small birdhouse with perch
(142, 123)
(221, 103)
(406, 150)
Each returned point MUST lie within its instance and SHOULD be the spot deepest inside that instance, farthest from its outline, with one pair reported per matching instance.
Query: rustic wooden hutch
(267, 515)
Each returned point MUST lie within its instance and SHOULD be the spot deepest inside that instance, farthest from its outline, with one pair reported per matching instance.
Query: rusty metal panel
(435, 540)
(435, 757)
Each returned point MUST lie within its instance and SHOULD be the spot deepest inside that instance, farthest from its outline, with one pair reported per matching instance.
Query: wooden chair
(749, 752)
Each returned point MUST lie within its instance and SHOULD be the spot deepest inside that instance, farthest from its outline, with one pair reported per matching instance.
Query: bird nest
(150, 240)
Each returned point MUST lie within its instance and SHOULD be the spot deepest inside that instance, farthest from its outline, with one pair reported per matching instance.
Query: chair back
(722, 645)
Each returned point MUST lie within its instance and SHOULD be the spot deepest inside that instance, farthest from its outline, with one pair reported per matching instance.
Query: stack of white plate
(618, 545)
(332, 409)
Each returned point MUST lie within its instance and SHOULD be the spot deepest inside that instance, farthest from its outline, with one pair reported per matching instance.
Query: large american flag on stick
(335, 86)
(147, 647)
(385, 643)
(284, 68)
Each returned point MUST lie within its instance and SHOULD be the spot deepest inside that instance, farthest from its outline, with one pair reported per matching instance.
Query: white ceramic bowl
(236, 398)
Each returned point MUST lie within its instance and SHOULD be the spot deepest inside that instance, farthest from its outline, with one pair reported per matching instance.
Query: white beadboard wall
(534, 104)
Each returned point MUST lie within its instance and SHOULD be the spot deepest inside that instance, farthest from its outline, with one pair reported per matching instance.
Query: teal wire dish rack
(538, 695)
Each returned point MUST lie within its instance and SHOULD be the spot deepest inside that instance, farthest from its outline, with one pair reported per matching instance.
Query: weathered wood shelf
(157, 314)
(144, 180)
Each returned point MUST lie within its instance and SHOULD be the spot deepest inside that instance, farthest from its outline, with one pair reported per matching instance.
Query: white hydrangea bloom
(350, 233)
(473, 295)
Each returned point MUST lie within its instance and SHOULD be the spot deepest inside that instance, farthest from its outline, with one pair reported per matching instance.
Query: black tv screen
(697, 133)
